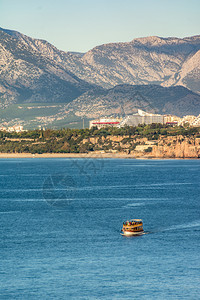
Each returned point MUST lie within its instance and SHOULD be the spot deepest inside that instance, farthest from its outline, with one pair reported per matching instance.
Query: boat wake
(183, 226)
(133, 205)
(179, 227)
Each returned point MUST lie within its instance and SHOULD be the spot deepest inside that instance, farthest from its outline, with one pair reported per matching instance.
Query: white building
(3, 128)
(196, 122)
(16, 128)
(105, 122)
(142, 117)
(190, 120)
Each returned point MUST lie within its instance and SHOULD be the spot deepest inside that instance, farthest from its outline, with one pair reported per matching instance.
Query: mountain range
(161, 74)
(127, 99)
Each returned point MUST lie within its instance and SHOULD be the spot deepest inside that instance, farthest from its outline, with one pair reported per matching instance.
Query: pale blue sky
(75, 25)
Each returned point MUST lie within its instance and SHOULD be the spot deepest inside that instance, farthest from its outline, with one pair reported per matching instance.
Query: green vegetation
(29, 111)
(30, 115)
(86, 140)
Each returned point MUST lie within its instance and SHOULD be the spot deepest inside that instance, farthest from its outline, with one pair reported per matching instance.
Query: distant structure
(190, 120)
(142, 117)
(196, 122)
(15, 128)
(172, 120)
(186, 120)
(105, 122)
(2, 128)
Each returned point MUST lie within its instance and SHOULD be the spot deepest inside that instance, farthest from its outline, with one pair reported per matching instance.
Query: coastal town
(152, 140)
(141, 117)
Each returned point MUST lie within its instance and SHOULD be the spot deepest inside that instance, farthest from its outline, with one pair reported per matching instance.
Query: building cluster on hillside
(142, 117)
(15, 128)
(104, 122)
(191, 120)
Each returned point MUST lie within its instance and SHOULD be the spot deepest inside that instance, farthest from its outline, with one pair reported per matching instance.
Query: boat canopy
(130, 222)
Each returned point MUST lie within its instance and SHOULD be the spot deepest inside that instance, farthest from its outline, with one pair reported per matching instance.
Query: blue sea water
(60, 222)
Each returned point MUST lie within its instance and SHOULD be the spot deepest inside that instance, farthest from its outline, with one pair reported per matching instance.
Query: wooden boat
(132, 227)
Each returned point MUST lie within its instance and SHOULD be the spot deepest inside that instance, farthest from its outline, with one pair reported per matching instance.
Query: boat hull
(128, 233)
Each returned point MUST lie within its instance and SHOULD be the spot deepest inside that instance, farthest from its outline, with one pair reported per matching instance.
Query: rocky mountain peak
(29, 64)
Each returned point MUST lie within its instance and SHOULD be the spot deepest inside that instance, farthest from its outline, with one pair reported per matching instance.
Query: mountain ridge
(146, 60)
(105, 78)
(27, 75)
(127, 99)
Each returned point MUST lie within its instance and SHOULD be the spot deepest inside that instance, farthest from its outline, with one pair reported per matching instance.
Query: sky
(75, 25)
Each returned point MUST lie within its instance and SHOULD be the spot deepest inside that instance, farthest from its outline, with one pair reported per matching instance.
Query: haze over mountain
(34, 71)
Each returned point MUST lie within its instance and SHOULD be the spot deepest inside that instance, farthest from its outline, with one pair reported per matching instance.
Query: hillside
(149, 60)
(121, 100)
(28, 76)
(127, 99)
(118, 78)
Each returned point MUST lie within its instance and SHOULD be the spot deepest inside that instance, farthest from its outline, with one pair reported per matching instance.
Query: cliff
(177, 147)
(164, 147)
(149, 141)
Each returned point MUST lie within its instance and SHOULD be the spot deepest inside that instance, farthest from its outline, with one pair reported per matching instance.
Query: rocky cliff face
(33, 70)
(127, 99)
(177, 147)
(26, 75)
(172, 147)
(149, 60)
(164, 147)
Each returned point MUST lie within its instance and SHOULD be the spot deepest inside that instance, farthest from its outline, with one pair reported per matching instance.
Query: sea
(60, 223)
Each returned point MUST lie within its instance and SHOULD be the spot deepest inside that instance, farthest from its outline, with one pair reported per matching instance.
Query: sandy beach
(66, 155)
(85, 155)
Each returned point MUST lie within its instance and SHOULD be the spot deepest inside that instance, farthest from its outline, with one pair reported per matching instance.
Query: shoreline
(66, 155)
(90, 155)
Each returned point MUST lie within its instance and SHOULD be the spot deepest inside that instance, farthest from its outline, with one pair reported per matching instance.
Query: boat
(132, 227)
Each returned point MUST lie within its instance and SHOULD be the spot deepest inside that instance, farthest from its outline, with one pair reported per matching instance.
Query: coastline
(66, 155)
(90, 155)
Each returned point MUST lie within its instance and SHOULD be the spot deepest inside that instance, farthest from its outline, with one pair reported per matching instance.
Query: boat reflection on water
(132, 227)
